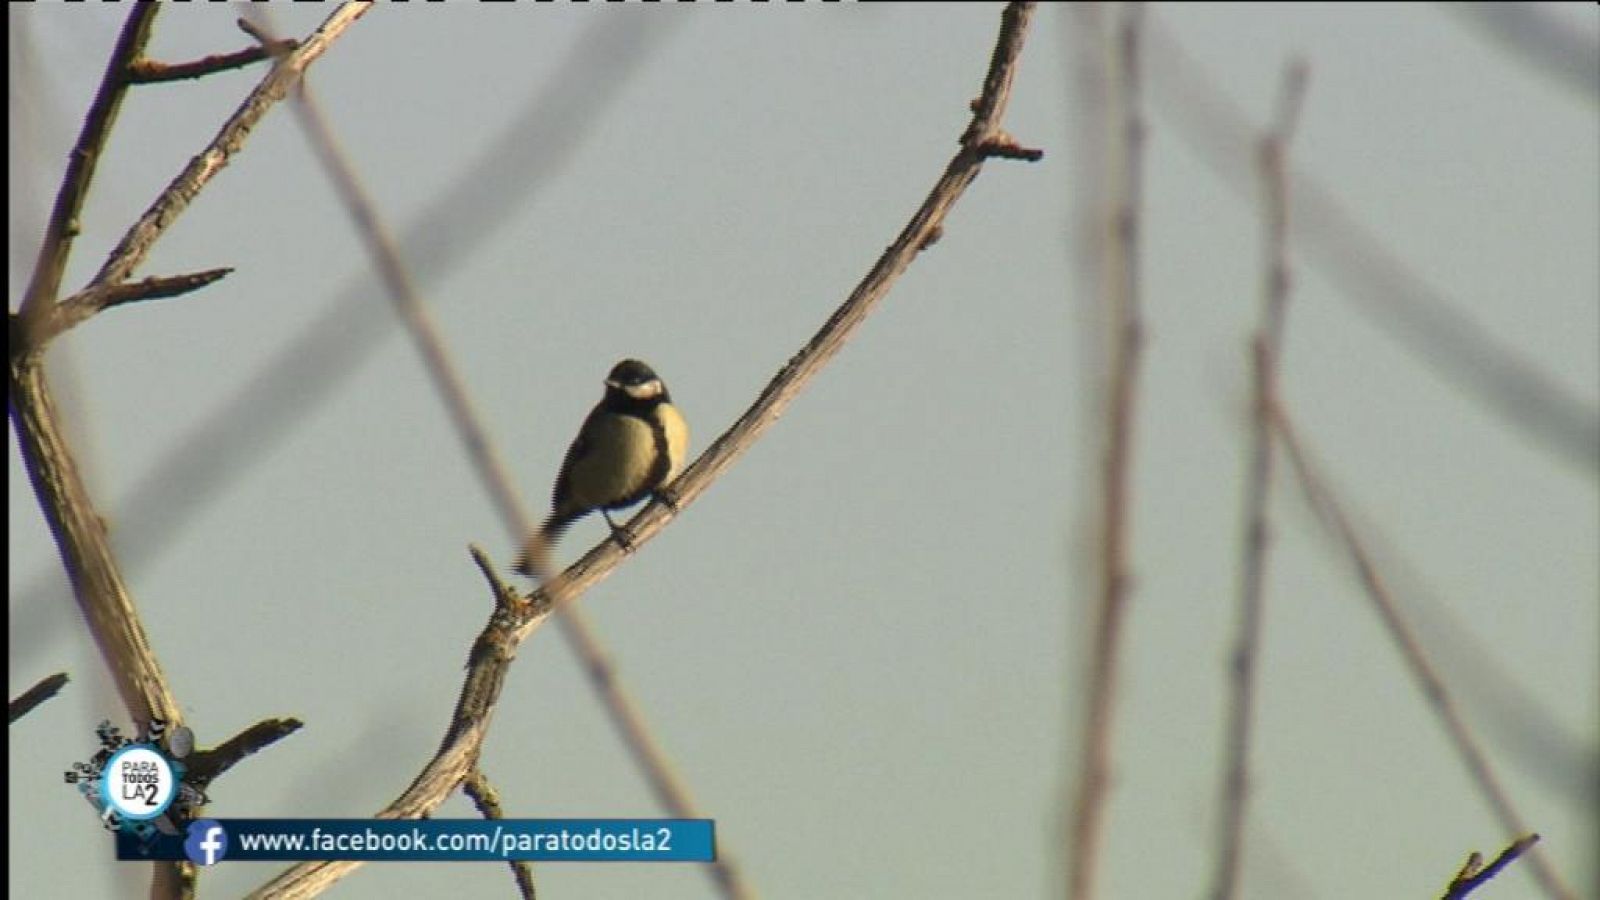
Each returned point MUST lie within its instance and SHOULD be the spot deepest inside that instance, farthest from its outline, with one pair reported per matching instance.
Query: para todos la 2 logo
(138, 782)
(137, 786)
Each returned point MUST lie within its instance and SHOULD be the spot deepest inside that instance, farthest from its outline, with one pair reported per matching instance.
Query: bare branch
(1331, 512)
(1538, 37)
(78, 528)
(1474, 874)
(80, 534)
(506, 596)
(47, 687)
(619, 703)
(1122, 302)
(149, 71)
(496, 645)
(136, 244)
(1266, 349)
(45, 283)
(81, 306)
(528, 154)
(206, 765)
(487, 799)
(1509, 383)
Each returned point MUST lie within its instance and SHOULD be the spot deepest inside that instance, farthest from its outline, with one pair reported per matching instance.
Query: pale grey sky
(863, 646)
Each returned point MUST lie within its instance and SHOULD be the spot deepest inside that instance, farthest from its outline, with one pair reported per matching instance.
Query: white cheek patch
(646, 391)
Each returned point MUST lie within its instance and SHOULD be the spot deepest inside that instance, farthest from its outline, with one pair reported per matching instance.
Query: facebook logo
(207, 843)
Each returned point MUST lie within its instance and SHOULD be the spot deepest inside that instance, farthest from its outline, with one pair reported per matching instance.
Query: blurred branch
(1361, 265)
(1535, 34)
(1524, 724)
(510, 624)
(489, 464)
(47, 687)
(1331, 512)
(1122, 302)
(1474, 874)
(1267, 348)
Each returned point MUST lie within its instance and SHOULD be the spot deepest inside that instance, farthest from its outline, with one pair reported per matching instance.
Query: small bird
(633, 443)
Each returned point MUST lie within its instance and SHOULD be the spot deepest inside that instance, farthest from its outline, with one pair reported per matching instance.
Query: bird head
(635, 379)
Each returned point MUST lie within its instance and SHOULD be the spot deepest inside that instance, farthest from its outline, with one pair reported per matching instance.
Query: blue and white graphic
(207, 843)
(138, 782)
(135, 787)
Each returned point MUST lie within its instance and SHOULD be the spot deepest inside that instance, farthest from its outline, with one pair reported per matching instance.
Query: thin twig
(496, 645)
(1381, 284)
(1331, 512)
(1266, 351)
(47, 687)
(45, 284)
(207, 765)
(1475, 874)
(286, 71)
(149, 71)
(85, 304)
(487, 799)
(1122, 300)
(1091, 52)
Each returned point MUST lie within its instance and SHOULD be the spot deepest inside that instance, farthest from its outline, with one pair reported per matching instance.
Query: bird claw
(668, 498)
(619, 533)
(624, 539)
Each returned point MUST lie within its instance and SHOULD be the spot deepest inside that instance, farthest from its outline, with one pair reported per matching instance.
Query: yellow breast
(621, 454)
(677, 431)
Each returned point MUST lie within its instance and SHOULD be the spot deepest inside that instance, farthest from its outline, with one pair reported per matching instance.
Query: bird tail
(535, 555)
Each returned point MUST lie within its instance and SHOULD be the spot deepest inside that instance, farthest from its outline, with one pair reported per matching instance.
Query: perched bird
(633, 442)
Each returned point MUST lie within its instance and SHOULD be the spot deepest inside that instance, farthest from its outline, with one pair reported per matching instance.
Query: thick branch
(80, 535)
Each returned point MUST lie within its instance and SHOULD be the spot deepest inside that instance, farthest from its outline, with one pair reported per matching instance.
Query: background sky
(864, 646)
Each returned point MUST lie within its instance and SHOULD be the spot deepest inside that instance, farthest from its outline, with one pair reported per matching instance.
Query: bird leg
(619, 533)
(669, 497)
